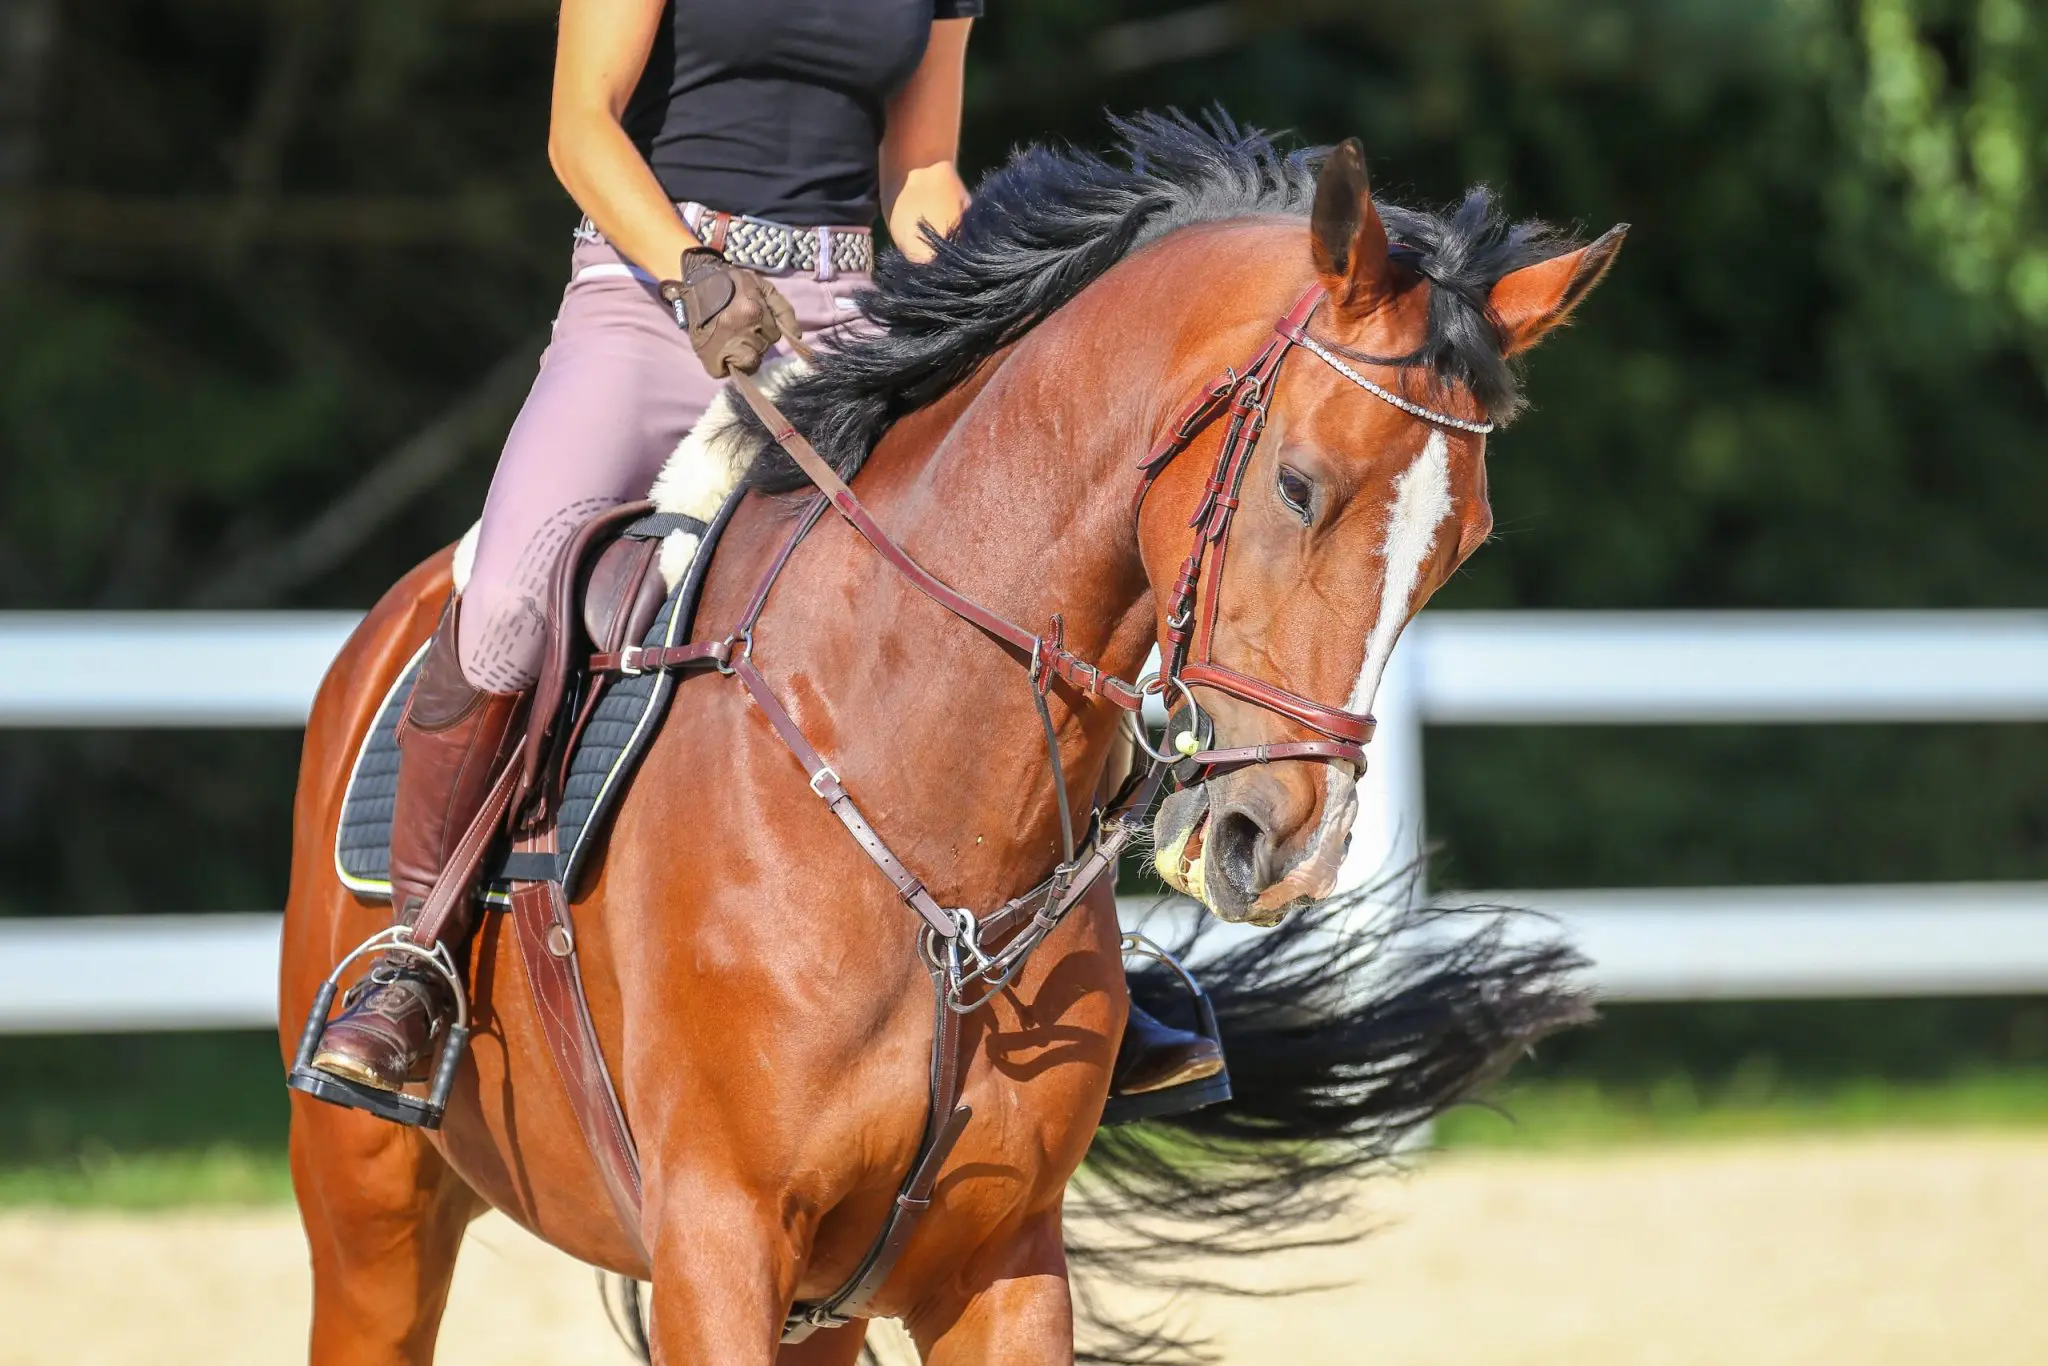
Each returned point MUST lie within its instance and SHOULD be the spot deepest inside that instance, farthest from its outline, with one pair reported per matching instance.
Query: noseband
(1186, 646)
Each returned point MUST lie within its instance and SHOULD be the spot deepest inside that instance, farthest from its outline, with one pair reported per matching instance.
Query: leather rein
(971, 958)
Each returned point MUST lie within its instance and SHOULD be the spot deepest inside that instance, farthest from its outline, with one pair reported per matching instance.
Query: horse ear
(1346, 237)
(1531, 301)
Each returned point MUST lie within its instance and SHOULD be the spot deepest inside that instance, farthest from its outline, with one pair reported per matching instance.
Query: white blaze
(1422, 500)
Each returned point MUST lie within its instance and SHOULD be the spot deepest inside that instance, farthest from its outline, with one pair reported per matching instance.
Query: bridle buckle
(1251, 393)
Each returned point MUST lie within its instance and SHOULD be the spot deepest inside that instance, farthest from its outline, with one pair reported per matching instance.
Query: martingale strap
(1046, 649)
(825, 783)
(1026, 920)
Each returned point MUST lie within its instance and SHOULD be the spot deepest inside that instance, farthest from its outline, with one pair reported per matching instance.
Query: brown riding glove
(731, 315)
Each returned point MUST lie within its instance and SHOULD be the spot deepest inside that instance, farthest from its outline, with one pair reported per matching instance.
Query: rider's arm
(921, 142)
(600, 50)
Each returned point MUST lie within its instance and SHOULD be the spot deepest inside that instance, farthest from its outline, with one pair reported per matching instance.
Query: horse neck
(1016, 491)
(1023, 502)
(1017, 488)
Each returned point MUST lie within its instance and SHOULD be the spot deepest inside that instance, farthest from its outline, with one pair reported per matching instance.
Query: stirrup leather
(397, 1106)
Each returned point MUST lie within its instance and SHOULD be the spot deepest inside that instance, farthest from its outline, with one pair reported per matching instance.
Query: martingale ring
(1156, 685)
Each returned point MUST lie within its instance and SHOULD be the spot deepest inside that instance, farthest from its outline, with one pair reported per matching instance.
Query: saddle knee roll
(623, 593)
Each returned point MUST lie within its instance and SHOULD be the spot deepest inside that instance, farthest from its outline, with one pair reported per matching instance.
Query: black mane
(1052, 220)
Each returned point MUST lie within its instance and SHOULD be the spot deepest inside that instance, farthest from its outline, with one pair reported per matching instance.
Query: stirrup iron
(1189, 1095)
(422, 1112)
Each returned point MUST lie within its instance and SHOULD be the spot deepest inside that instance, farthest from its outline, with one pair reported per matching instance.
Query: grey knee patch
(505, 652)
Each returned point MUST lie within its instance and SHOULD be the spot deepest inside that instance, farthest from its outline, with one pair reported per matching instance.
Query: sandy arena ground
(1868, 1251)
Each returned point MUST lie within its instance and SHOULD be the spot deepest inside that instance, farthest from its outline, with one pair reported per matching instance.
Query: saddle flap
(566, 649)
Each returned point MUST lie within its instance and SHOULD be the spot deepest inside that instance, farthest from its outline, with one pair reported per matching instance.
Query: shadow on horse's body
(753, 979)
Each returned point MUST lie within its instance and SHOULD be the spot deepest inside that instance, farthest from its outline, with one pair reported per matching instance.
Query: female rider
(728, 160)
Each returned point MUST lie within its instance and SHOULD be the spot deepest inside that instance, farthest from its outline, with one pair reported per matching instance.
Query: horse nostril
(1233, 849)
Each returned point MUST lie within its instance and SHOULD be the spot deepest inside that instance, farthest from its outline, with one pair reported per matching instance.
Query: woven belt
(769, 247)
(778, 249)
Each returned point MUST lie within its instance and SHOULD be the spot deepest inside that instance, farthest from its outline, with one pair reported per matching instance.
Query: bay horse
(758, 988)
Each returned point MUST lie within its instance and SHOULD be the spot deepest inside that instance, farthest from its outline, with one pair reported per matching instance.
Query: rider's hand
(731, 315)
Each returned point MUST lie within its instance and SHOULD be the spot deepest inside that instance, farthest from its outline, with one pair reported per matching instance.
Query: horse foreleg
(384, 1217)
(724, 1272)
(1013, 1308)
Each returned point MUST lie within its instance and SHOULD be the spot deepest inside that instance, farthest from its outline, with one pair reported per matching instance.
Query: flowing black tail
(1342, 1041)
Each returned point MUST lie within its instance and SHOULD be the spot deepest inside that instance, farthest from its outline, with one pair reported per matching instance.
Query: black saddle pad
(625, 722)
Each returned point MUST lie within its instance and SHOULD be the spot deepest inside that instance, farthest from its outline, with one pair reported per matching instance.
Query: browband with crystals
(1380, 391)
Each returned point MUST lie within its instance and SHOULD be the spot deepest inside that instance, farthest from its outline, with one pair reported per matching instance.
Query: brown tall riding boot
(453, 740)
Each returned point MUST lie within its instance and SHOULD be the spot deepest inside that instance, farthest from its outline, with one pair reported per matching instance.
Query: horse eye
(1296, 492)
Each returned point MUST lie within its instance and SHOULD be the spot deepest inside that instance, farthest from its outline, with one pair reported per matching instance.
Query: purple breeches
(618, 387)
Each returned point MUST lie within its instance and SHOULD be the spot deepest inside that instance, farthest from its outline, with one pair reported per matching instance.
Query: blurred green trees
(260, 262)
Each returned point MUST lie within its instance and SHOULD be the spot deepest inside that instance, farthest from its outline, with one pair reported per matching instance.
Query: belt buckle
(783, 236)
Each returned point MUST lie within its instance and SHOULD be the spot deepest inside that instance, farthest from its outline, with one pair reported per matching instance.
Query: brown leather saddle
(584, 733)
(582, 749)
(606, 594)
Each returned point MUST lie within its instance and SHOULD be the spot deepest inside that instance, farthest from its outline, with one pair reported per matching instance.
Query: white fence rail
(108, 973)
(259, 669)
(165, 972)
(1454, 668)
(117, 670)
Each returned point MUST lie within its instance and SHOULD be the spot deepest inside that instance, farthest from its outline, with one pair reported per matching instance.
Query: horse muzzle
(1218, 843)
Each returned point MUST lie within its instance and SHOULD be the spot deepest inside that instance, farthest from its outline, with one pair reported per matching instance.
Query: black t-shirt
(774, 107)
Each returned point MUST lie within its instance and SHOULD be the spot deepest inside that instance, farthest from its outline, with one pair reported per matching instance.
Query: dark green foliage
(137, 1092)
(272, 244)
(1700, 806)
(1727, 1043)
(155, 821)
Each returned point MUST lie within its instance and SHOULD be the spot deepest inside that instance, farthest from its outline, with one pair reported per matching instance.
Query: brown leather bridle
(1186, 645)
(1188, 642)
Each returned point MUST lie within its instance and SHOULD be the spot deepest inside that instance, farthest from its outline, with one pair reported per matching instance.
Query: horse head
(1365, 490)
